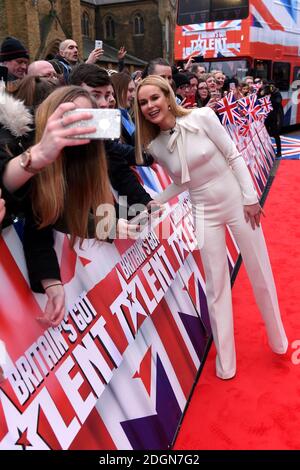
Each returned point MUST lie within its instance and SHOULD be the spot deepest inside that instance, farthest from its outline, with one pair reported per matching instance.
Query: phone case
(106, 121)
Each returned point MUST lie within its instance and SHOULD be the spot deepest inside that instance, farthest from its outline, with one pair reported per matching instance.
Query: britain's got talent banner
(118, 371)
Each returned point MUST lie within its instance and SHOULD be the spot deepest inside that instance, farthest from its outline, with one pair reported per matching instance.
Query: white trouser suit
(201, 157)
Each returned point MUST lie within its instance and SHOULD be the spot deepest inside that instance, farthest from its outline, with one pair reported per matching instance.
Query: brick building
(146, 27)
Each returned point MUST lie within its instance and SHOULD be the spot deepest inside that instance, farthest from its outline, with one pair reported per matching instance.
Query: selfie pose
(17, 172)
(58, 182)
(71, 188)
(200, 157)
(73, 193)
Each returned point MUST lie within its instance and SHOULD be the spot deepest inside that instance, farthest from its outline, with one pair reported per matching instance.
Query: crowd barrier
(119, 370)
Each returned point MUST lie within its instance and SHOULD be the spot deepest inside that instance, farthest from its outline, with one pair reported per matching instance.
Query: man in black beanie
(182, 85)
(15, 57)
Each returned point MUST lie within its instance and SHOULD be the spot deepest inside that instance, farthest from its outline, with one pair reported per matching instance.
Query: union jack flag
(290, 148)
(244, 104)
(228, 109)
(266, 106)
(245, 127)
(251, 105)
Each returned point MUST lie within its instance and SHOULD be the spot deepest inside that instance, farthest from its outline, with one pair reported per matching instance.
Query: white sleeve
(217, 133)
(171, 191)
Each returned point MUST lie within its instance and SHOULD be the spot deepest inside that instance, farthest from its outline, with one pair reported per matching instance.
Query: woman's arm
(55, 307)
(217, 133)
(171, 191)
(56, 136)
(43, 270)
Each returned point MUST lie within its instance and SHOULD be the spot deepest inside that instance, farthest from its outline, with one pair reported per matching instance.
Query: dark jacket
(120, 158)
(67, 68)
(274, 120)
(15, 136)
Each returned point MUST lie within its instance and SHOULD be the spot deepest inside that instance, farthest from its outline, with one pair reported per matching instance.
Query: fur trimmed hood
(14, 116)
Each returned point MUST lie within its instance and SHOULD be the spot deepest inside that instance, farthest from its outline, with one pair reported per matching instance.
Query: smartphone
(3, 73)
(232, 86)
(98, 44)
(106, 121)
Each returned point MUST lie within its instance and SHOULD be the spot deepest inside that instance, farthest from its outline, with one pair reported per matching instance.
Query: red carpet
(260, 407)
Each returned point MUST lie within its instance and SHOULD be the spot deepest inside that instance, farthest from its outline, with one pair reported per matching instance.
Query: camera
(106, 121)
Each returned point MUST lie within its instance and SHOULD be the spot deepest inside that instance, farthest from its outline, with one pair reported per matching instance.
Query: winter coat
(274, 120)
(120, 157)
(15, 136)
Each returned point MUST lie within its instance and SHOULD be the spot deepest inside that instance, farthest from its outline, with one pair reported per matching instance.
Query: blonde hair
(77, 182)
(145, 131)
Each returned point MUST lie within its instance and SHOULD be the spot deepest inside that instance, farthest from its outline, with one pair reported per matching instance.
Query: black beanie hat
(11, 49)
(180, 79)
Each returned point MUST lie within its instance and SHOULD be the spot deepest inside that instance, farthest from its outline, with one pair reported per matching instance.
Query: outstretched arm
(171, 191)
(43, 270)
(56, 136)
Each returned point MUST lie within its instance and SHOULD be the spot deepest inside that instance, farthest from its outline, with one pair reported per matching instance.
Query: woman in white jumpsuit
(198, 154)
